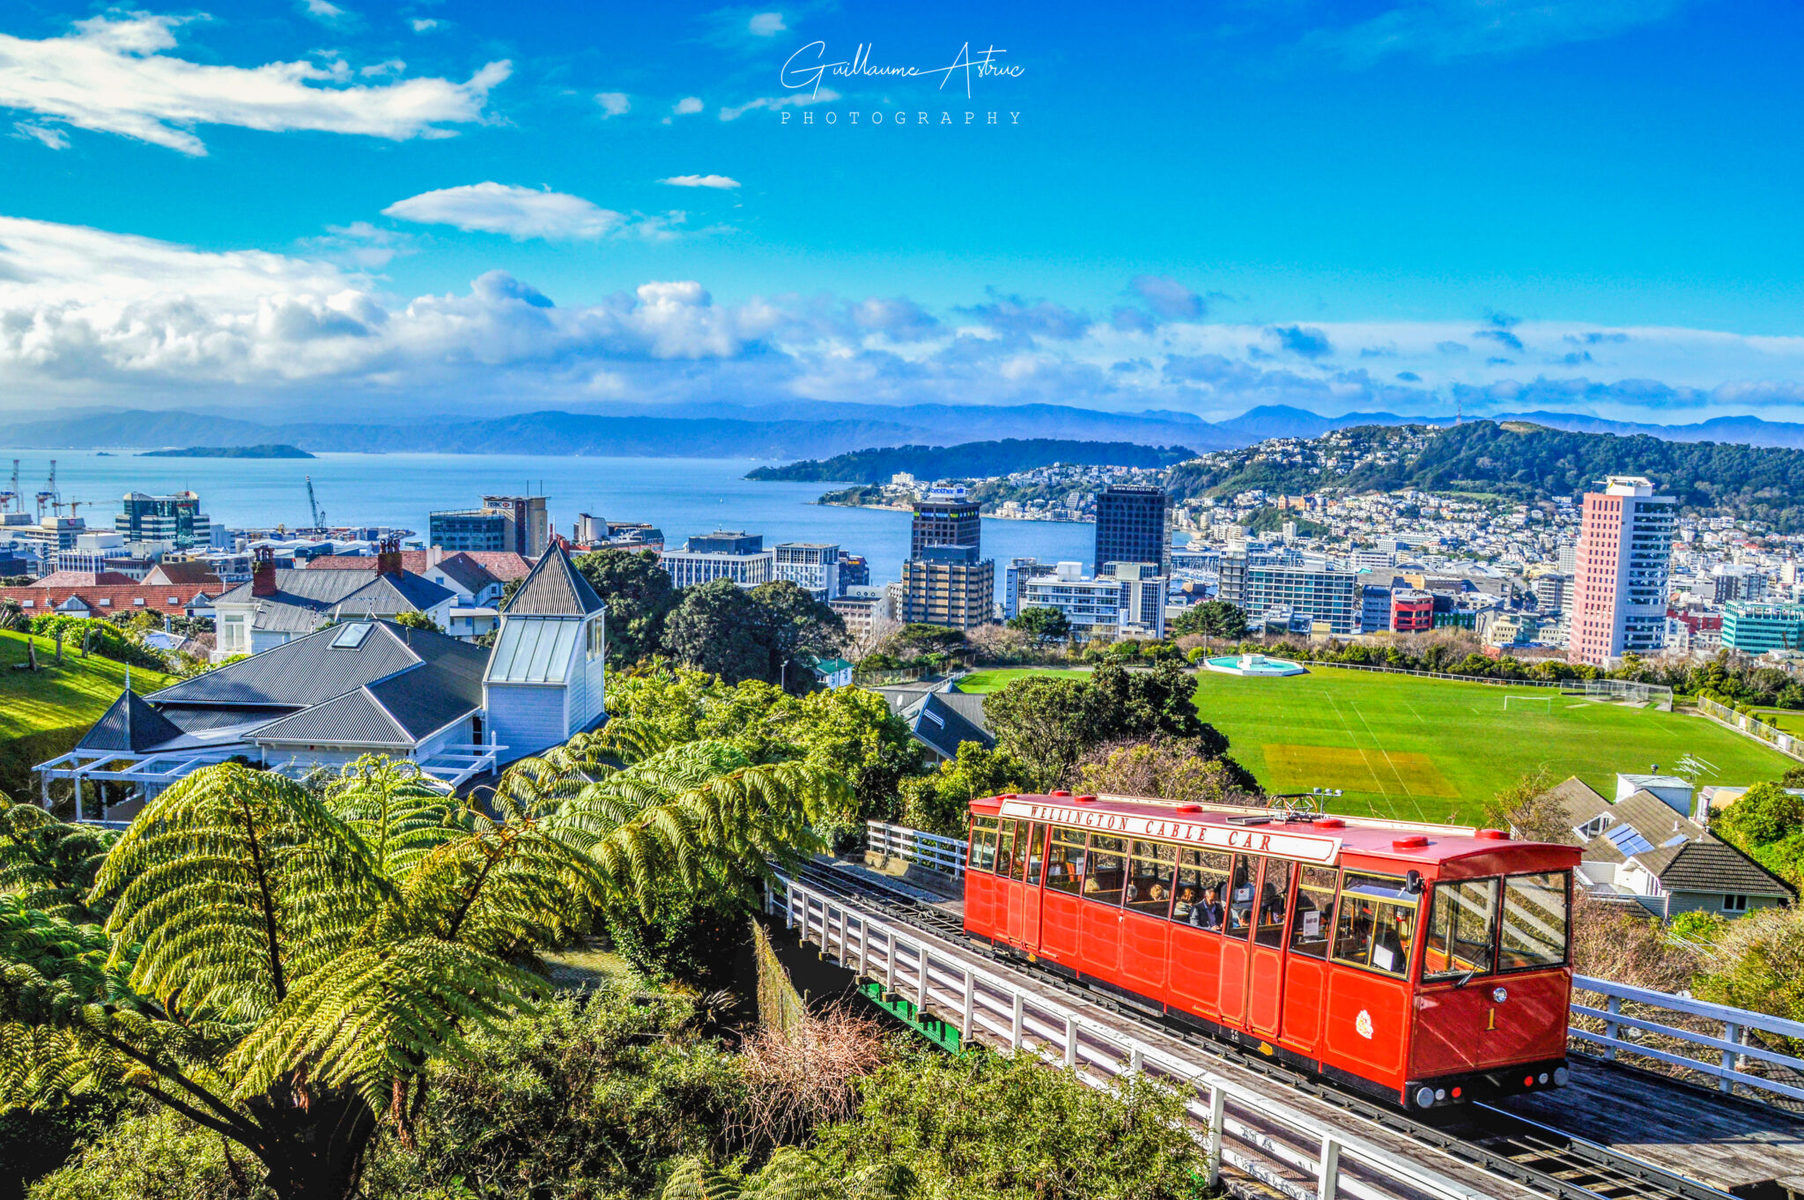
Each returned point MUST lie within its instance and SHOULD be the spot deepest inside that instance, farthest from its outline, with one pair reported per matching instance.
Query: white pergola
(162, 767)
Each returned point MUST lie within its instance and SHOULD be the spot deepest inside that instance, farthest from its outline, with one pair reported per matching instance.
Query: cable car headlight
(1499, 995)
(1424, 1097)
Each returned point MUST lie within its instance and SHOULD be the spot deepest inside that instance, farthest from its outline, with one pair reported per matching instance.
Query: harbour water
(681, 496)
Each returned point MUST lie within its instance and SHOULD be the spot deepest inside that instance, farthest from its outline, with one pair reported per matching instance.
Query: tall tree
(791, 623)
(713, 629)
(1045, 722)
(1046, 625)
(282, 965)
(1212, 619)
(639, 595)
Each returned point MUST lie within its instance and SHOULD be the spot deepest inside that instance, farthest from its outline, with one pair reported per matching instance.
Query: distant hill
(1515, 459)
(266, 451)
(785, 431)
(973, 460)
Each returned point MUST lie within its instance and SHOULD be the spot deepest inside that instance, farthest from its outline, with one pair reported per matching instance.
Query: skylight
(351, 636)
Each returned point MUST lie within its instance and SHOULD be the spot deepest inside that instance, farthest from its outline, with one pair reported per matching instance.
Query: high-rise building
(1757, 628)
(504, 523)
(1130, 526)
(812, 566)
(1019, 571)
(854, 572)
(950, 586)
(945, 518)
(1552, 592)
(176, 519)
(1618, 603)
(944, 581)
(1258, 581)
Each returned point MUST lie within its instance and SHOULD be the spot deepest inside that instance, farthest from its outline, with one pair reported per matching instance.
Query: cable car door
(1016, 890)
(1265, 967)
(1237, 938)
(1034, 860)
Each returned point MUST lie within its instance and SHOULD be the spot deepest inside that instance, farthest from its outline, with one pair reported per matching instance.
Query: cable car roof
(1307, 837)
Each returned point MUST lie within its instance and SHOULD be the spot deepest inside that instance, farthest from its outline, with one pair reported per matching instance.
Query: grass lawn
(1789, 720)
(43, 713)
(1434, 749)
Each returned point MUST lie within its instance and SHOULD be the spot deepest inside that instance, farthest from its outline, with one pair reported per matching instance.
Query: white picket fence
(1778, 739)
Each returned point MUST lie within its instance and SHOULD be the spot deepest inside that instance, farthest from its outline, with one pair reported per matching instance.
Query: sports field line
(1342, 718)
(1389, 762)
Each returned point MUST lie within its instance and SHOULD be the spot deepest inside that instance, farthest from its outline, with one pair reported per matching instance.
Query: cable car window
(1534, 920)
(1274, 894)
(983, 843)
(1376, 925)
(1108, 867)
(1462, 928)
(1152, 865)
(1201, 884)
(1312, 913)
(1240, 894)
(1005, 848)
(1035, 855)
(1065, 860)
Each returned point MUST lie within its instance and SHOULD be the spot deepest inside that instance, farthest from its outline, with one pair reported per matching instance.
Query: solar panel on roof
(1628, 839)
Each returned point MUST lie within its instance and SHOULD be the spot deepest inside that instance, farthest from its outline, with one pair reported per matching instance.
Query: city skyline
(397, 209)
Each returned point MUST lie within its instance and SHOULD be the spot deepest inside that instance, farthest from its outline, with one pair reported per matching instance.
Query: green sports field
(1433, 749)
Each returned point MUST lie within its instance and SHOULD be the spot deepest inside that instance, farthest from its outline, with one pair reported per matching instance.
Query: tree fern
(281, 962)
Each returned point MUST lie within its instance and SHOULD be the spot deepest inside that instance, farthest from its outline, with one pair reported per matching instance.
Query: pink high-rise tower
(1619, 577)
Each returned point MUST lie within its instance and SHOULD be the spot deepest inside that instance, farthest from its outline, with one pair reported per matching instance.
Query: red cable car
(1423, 964)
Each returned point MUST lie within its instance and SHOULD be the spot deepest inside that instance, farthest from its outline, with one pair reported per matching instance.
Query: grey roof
(131, 724)
(305, 599)
(308, 670)
(1649, 816)
(1714, 866)
(934, 720)
(354, 718)
(554, 589)
(470, 575)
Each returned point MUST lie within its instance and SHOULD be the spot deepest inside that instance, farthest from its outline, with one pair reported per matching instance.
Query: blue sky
(1588, 206)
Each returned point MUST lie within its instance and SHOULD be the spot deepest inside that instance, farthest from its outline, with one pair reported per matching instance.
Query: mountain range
(789, 431)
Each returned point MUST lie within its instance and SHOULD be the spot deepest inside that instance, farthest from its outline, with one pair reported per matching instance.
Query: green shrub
(154, 1155)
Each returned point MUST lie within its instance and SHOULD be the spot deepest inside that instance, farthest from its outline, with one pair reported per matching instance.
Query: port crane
(319, 518)
(49, 495)
(10, 498)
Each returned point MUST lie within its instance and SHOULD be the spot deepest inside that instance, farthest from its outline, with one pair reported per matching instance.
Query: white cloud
(87, 315)
(425, 24)
(323, 11)
(687, 105)
(701, 181)
(519, 212)
(825, 95)
(767, 24)
(110, 75)
(523, 212)
(613, 104)
(56, 139)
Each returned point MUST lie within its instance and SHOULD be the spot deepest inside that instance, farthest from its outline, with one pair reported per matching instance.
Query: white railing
(930, 850)
(1629, 1033)
(1253, 1131)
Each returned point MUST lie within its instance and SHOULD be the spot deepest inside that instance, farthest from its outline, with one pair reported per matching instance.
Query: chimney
(263, 571)
(388, 556)
(435, 555)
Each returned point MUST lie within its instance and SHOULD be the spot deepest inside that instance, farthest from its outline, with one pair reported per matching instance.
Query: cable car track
(1502, 1143)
